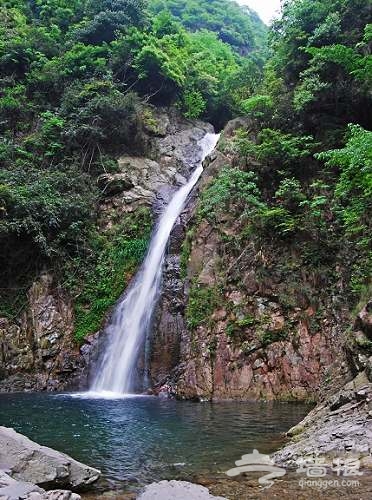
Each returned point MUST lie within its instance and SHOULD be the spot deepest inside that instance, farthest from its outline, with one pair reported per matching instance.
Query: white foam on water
(103, 395)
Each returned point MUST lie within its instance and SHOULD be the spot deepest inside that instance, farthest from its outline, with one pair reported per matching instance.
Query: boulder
(53, 495)
(27, 461)
(176, 490)
(10, 489)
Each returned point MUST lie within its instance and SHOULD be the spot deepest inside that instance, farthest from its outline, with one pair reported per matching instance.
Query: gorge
(185, 248)
(132, 318)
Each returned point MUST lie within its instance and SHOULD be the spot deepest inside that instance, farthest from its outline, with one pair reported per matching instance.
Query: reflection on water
(146, 438)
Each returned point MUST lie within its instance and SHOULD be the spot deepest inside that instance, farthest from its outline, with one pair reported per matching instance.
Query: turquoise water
(143, 439)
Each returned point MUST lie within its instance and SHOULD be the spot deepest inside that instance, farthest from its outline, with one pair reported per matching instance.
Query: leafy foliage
(98, 278)
(313, 182)
(231, 188)
(353, 190)
(321, 55)
(201, 304)
(239, 27)
(76, 77)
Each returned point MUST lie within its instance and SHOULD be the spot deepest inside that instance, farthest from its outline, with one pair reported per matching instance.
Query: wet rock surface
(27, 462)
(170, 333)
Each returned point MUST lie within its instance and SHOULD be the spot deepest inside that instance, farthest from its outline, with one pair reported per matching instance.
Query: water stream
(117, 373)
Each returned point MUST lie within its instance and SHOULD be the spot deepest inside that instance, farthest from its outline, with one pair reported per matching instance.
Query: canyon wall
(242, 320)
(38, 349)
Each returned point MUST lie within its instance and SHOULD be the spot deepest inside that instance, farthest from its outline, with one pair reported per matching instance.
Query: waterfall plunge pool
(137, 440)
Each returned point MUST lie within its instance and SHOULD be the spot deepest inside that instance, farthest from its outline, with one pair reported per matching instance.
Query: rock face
(39, 352)
(37, 349)
(267, 334)
(340, 427)
(176, 490)
(29, 462)
(259, 322)
(151, 179)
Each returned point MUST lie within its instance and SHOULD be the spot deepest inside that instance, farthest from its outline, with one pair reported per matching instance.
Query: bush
(201, 304)
(98, 277)
(51, 207)
(259, 106)
(231, 189)
(99, 119)
(353, 190)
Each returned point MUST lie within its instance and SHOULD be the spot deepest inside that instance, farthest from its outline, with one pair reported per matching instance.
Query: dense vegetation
(77, 82)
(301, 183)
(243, 32)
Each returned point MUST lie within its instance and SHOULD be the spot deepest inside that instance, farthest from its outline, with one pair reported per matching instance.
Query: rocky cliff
(242, 318)
(341, 424)
(238, 318)
(38, 349)
(241, 321)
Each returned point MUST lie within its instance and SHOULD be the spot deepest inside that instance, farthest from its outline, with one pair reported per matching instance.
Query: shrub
(232, 188)
(201, 304)
(98, 277)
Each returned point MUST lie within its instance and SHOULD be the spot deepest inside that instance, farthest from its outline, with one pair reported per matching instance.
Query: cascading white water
(132, 317)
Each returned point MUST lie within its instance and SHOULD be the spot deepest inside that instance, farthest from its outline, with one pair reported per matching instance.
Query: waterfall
(132, 318)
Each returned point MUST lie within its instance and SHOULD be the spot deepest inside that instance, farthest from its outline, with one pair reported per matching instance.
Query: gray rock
(39, 351)
(337, 428)
(176, 490)
(27, 461)
(11, 489)
(53, 495)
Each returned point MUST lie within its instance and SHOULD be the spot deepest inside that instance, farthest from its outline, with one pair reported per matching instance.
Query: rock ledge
(27, 462)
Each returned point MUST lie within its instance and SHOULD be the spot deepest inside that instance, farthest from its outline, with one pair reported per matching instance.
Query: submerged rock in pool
(176, 490)
(27, 461)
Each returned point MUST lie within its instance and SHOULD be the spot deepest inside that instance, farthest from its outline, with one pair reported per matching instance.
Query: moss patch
(201, 305)
(97, 281)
